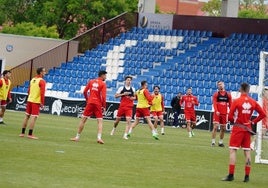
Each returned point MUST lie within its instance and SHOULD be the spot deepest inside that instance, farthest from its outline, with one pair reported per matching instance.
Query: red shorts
(32, 109)
(93, 109)
(220, 119)
(190, 116)
(3, 102)
(239, 138)
(124, 112)
(142, 112)
(157, 113)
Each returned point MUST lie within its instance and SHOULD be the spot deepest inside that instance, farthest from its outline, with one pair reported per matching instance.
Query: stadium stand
(172, 59)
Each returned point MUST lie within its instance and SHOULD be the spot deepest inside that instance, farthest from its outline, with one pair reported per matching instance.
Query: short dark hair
(143, 82)
(128, 77)
(102, 72)
(39, 70)
(245, 87)
(5, 72)
(156, 87)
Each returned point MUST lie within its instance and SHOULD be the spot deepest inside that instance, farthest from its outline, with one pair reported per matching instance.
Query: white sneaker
(125, 137)
(75, 139)
(112, 132)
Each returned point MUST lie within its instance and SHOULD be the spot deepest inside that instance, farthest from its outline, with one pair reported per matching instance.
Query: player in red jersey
(240, 114)
(142, 109)
(222, 100)
(36, 100)
(189, 101)
(5, 95)
(95, 95)
(126, 93)
(158, 108)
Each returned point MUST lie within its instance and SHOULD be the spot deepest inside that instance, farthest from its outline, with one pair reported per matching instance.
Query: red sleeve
(260, 112)
(103, 93)
(42, 85)
(231, 112)
(148, 96)
(9, 95)
(196, 101)
(230, 99)
(182, 100)
(162, 103)
(85, 92)
(1, 83)
(214, 101)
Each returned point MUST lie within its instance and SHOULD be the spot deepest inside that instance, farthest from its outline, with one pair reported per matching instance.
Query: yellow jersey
(157, 103)
(142, 100)
(35, 93)
(4, 89)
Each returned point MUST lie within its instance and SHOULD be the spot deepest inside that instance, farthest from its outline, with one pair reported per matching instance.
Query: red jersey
(242, 109)
(221, 101)
(97, 92)
(125, 99)
(189, 102)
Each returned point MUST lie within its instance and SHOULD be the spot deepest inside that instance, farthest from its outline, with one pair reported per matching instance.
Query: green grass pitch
(173, 161)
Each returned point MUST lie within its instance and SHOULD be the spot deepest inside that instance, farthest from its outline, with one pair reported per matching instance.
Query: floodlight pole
(177, 7)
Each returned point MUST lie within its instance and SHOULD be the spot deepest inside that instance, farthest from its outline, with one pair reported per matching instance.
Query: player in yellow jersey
(142, 109)
(5, 96)
(158, 108)
(36, 100)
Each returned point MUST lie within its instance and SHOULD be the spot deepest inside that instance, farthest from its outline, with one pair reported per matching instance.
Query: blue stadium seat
(51, 72)
(69, 66)
(120, 78)
(71, 88)
(194, 90)
(206, 76)
(57, 71)
(155, 80)
(201, 107)
(61, 79)
(15, 89)
(48, 78)
(20, 89)
(55, 79)
(154, 73)
(168, 98)
(254, 96)
(208, 107)
(55, 86)
(169, 88)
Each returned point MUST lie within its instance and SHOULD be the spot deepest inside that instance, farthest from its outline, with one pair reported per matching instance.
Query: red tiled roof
(186, 7)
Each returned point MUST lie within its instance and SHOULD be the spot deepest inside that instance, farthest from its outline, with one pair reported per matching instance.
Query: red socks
(231, 169)
(247, 170)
